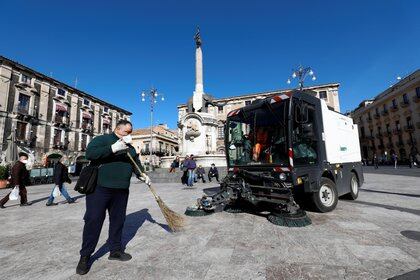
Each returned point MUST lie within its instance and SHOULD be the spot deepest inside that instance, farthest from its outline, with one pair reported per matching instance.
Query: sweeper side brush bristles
(174, 220)
(299, 219)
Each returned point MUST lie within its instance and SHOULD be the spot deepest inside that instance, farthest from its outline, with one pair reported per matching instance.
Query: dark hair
(22, 154)
(123, 122)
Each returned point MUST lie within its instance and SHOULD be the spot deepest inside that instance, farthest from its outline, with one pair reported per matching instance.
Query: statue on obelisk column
(199, 88)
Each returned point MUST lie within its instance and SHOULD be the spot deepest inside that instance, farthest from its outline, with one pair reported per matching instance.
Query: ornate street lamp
(301, 73)
(153, 97)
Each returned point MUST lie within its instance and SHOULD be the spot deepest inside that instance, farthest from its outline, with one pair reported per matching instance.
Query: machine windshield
(258, 136)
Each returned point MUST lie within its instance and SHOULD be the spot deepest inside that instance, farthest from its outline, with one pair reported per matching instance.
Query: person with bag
(61, 176)
(191, 166)
(114, 169)
(19, 180)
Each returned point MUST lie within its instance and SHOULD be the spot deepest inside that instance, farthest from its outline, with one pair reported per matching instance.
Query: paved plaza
(367, 239)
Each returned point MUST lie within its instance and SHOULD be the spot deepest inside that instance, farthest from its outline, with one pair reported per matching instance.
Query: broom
(174, 220)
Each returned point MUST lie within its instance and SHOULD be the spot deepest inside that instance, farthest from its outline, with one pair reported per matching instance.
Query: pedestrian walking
(213, 172)
(174, 165)
(395, 159)
(200, 173)
(184, 168)
(191, 166)
(61, 176)
(375, 161)
(109, 153)
(20, 179)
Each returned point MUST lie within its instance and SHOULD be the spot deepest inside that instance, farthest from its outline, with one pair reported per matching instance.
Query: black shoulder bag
(88, 178)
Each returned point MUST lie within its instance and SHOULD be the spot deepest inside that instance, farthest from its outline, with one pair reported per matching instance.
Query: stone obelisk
(199, 88)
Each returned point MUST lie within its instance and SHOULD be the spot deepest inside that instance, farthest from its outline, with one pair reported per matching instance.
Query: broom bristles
(174, 220)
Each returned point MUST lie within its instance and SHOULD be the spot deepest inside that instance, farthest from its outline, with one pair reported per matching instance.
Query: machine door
(306, 137)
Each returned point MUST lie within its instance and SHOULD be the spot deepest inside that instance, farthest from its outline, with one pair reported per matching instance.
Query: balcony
(416, 99)
(387, 133)
(384, 113)
(400, 143)
(379, 135)
(376, 116)
(61, 121)
(396, 131)
(24, 113)
(390, 145)
(404, 104)
(393, 108)
(58, 144)
(409, 128)
(83, 146)
(87, 127)
(369, 120)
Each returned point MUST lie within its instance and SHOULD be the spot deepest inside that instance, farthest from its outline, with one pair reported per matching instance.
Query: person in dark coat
(184, 168)
(213, 172)
(61, 176)
(200, 173)
(174, 165)
(19, 178)
(109, 152)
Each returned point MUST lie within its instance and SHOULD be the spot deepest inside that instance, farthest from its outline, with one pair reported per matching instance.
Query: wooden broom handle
(142, 173)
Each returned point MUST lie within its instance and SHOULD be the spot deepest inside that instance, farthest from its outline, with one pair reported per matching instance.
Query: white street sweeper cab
(283, 152)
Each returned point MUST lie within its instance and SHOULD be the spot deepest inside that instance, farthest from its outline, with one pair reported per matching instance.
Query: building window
(25, 79)
(86, 102)
(362, 131)
(61, 92)
(57, 137)
(20, 131)
(220, 132)
(418, 92)
(409, 122)
(394, 103)
(397, 125)
(23, 105)
(377, 111)
(247, 102)
(388, 129)
(106, 109)
(405, 98)
(385, 108)
(220, 109)
(323, 95)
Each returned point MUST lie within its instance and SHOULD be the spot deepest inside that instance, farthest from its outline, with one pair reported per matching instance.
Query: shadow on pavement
(415, 274)
(389, 207)
(46, 198)
(404, 194)
(133, 222)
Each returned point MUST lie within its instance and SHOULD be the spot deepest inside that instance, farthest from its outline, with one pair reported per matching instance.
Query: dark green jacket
(115, 170)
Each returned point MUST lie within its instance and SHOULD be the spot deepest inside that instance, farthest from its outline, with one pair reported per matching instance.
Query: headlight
(282, 176)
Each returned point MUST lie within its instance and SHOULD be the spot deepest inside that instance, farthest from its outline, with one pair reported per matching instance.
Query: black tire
(326, 198)
(354, 189)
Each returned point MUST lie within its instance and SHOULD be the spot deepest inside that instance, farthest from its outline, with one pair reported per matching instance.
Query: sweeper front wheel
(298, 219)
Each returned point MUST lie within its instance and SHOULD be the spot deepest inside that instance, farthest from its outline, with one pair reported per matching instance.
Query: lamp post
(301, 73)
(153, 97)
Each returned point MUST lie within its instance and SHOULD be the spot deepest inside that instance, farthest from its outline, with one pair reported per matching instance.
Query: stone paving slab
(359, 240)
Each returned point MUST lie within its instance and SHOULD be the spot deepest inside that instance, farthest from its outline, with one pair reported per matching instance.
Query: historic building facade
(45, 117)
(218, 108)
(164, 143)
(390, 123)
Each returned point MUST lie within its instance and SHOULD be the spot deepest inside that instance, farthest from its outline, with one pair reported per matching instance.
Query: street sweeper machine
(284, 151)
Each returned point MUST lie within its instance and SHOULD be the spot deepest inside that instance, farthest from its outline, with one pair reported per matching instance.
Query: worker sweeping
(109, 152)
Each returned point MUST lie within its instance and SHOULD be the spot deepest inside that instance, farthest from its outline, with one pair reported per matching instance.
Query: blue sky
(118, 48)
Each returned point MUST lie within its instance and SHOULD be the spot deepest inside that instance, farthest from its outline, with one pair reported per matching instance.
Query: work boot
(83, 265)
(71, 201)
(26, 204)
(51, 204)
(119, 256)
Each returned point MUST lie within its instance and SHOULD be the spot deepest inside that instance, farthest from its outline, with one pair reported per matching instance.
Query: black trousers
(97, 203)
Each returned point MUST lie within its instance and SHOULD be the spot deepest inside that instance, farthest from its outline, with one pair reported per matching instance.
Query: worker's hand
(118, 146)
(145, 179)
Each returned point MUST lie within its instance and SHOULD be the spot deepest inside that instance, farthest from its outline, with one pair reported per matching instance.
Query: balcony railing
(58, 144)
(24, 110)
(393, 108)
(409, 128)
(396, 131)
(87, 126)
(61, 120)
(404, 104)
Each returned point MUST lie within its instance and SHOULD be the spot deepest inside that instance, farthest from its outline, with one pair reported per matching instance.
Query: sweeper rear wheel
(299, 219)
